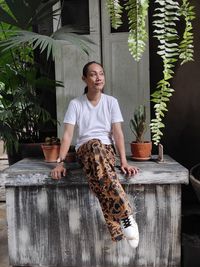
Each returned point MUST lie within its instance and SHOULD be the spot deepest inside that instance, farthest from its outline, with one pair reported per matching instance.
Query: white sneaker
(130, 230)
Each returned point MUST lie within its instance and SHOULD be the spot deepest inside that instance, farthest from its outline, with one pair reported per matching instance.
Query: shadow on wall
(181, 138)
(182, 133)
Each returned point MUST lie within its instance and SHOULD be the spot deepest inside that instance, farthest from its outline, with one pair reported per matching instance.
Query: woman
(99, 118)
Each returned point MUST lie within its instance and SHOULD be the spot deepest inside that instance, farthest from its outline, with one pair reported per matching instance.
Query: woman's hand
(58, 172)
(129, 170)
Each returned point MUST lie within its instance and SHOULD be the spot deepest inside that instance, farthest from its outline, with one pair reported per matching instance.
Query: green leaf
(115, 10)
(25, 13)
(186, 46)
(6, 18)
(137, 16)
(53, 45)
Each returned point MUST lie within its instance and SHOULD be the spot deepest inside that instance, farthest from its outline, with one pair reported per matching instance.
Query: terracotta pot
(141, 151)
(51, 152)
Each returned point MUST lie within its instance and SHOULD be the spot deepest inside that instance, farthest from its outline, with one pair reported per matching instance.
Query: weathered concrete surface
(3, 165)
(46, 218)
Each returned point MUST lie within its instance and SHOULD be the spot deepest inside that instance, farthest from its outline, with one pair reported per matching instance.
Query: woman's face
(95, 78)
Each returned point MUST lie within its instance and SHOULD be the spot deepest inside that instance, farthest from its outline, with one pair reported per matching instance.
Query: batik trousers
(98, 164)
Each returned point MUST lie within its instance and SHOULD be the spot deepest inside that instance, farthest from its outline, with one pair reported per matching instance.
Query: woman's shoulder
(78, 99)
(109, 97)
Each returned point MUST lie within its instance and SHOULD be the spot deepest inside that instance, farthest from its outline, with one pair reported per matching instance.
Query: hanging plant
(137, 16)
(171, 47)
(115, 10)
(186, 46)
(167, 15)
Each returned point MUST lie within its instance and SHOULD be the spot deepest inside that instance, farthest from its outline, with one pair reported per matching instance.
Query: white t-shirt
(93, 121)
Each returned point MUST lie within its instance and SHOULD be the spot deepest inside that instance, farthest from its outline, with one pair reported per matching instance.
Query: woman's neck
(94, 98)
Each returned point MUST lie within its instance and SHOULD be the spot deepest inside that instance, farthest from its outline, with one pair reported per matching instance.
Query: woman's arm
(119, 142)
(60, 170)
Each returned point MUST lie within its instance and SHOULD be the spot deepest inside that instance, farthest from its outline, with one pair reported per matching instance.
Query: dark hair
(85, 71)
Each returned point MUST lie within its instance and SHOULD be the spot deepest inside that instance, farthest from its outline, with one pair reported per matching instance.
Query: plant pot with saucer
(140, 149)
(51, 149)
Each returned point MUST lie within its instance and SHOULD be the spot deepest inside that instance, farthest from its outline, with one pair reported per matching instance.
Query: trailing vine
(186, 45)
(115, 10)
(167, 16)
(137, 15)
(171, 47)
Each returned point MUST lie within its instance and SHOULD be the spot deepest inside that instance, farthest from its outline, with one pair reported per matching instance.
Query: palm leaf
(24, 13)
(45, 10)
(21, 11)
(46, 14)
(51, 44)
(6, 18)
(71, 35)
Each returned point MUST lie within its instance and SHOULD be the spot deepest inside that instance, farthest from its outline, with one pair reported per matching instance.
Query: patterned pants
(98, 164)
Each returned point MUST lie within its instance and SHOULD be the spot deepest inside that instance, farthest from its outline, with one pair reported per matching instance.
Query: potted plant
(51, 148)
(140, 149)
(22, 115)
